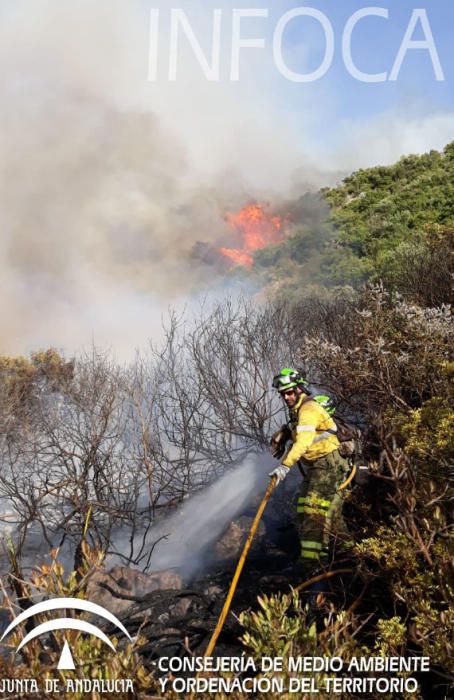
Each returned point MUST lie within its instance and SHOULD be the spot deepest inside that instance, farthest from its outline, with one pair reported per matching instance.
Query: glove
(280, 473)
(278, 451)
(279, 440)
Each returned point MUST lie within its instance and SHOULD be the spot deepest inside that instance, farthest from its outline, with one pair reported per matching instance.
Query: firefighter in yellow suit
(315, 448)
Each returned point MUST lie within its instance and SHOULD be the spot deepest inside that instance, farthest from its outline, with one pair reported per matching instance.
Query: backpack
(348, 435)
(351, 448)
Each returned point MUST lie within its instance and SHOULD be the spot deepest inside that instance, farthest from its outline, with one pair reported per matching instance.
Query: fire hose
(239, 569)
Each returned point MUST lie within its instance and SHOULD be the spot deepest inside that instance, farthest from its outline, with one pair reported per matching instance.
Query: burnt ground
(176, 614)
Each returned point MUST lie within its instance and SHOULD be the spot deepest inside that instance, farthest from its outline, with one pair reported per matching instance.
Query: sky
(111, 173)
(327, 117)
(375, 45)
(416, 102)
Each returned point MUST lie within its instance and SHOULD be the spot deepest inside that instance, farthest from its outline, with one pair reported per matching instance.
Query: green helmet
(326, 402)
(287, 379)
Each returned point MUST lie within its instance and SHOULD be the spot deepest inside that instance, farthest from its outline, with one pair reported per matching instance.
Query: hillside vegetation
(364, 228)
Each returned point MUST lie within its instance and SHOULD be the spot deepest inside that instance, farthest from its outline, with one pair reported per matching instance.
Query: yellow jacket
(309, 422)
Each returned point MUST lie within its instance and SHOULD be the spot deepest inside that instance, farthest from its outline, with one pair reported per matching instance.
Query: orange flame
(257, 228)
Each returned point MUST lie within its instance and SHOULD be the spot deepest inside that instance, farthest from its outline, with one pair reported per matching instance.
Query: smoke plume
(101, 197)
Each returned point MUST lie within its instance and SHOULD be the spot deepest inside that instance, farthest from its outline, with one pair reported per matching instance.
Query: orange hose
(350, 478)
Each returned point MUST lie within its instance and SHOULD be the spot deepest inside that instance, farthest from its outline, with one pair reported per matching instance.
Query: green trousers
(320, 522)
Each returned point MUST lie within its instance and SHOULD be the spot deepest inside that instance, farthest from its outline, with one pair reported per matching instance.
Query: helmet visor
(287, 381)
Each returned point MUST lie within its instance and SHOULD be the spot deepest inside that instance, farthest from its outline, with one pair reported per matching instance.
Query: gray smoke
(203, 517)
(102, 199)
